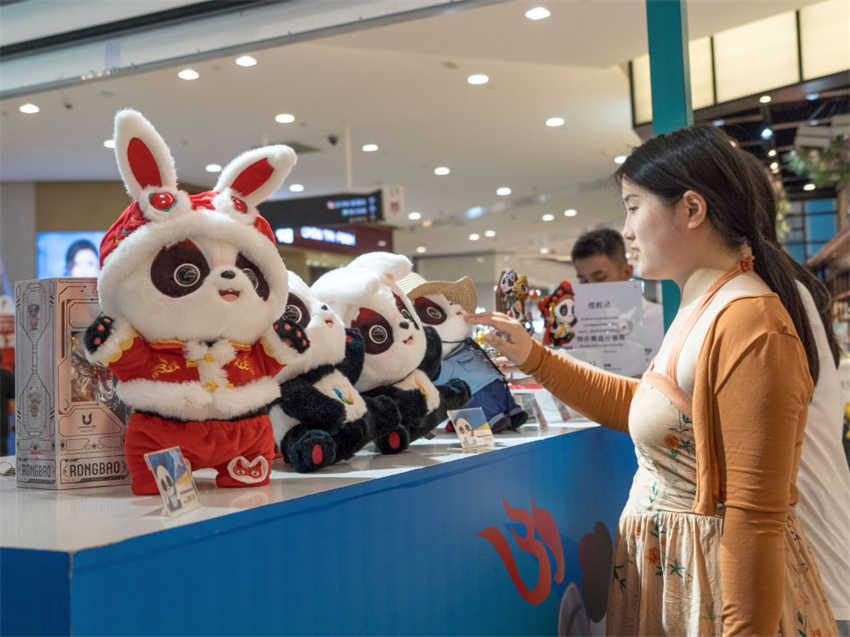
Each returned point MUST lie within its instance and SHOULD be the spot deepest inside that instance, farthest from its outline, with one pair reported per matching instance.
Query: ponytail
(773, 265)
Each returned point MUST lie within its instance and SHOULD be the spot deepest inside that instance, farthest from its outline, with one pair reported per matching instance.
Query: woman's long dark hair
(766, 199)
(702, 159)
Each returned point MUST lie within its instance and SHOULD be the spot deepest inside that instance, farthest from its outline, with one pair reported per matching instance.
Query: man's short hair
(603, 241)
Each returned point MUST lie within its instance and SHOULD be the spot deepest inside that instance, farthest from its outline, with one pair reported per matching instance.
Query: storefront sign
(385, 204)
(348, 239)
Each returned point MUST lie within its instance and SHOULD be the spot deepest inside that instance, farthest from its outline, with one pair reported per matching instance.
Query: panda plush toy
(192, 288)
(558, 311)
(442, 305)
(402, 357)
(320, 418)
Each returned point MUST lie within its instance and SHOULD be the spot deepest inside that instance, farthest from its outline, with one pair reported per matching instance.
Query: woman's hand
(510, 337)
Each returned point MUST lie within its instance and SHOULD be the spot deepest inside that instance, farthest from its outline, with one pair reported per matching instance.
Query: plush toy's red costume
(192, 289)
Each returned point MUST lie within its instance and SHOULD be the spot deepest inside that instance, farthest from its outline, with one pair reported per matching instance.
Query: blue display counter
(432, 541)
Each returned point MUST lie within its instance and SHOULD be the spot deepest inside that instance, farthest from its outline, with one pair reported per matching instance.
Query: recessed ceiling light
(382, 244)
(548, 217)
(421, 249)
(809, 187)
(477, 78)
(474, 236)
(774, 165)
(246, 61)
(490, 233)
(369, 148)
(188, 74)
(765, 99)
(570, 212)
(414, 216)
(109, 143)
(426, 223)
(554, 122)
(538, 13)
(620, 159)
(29, 109)
(544, 250)
(771, 152)
(442, 170)
(213, 168)
(719, 122)
(812, 96)
(284, 118)
(766, 132)
(503, 191)
(296, 188)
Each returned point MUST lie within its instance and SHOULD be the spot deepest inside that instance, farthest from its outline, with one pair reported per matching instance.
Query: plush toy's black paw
(458, 394)
(518, 419)
(98, 332)
(311, 450)
(291, 335)
(395, 441)
(411, 405)
(385, 414)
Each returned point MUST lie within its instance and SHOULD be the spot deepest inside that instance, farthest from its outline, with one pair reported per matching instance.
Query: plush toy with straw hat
(442, 305)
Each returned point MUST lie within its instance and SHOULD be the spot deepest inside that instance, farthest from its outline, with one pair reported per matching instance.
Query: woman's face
(656, 233)
(85, 264)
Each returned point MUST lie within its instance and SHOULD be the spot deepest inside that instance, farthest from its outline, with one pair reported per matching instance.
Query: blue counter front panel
(398, 555)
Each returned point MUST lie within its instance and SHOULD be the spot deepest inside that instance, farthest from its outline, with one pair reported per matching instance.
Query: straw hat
(461, 291)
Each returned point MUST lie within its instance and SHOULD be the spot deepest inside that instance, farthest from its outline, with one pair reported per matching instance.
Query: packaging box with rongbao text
(69, 421)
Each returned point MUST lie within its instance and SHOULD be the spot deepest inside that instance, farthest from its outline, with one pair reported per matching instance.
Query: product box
(70, 424)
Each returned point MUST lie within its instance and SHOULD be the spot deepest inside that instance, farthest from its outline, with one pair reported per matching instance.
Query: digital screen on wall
(67, 254)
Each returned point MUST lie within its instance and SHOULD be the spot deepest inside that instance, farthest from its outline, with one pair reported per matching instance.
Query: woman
(824, 477)
(708, 543)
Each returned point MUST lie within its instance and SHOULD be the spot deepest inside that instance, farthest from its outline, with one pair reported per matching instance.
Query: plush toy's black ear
(433, 353)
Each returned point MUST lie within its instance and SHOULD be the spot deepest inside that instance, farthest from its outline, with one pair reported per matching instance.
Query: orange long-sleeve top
(751, 393)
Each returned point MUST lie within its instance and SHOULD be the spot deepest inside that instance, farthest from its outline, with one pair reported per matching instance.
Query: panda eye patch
(428, 311)
(179, 269)
(376, 330)
(261, 287)
(402, 308)
(296, 311)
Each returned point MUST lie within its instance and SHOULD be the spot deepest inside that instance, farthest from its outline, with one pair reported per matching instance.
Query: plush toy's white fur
(369, 282)
(325, 331)
(125, 286)
(454, 329)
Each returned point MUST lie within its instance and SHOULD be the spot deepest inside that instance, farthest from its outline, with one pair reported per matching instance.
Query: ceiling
(403, 87)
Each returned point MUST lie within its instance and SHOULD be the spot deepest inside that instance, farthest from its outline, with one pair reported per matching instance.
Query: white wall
(17, 230)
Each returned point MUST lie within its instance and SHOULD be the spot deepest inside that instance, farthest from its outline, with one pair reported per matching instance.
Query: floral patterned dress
(666, 566)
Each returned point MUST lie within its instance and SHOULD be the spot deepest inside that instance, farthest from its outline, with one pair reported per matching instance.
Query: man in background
(599, 256)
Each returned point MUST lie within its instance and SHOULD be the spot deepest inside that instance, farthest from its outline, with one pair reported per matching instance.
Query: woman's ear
(696, 208)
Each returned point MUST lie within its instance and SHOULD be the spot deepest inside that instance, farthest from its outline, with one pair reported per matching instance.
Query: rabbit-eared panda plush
(320, 418)
(192, 288)
(402, 358)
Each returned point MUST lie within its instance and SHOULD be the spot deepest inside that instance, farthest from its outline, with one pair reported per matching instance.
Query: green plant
(828, 166)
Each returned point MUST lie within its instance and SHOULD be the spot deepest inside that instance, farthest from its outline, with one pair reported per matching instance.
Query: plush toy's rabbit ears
(143, 158)
(147, 168)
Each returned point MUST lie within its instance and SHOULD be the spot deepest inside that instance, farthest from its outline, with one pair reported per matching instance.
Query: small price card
(173, 476)
(472, 428)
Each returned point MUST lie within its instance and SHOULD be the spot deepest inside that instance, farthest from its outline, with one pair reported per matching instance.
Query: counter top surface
(77, 519)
